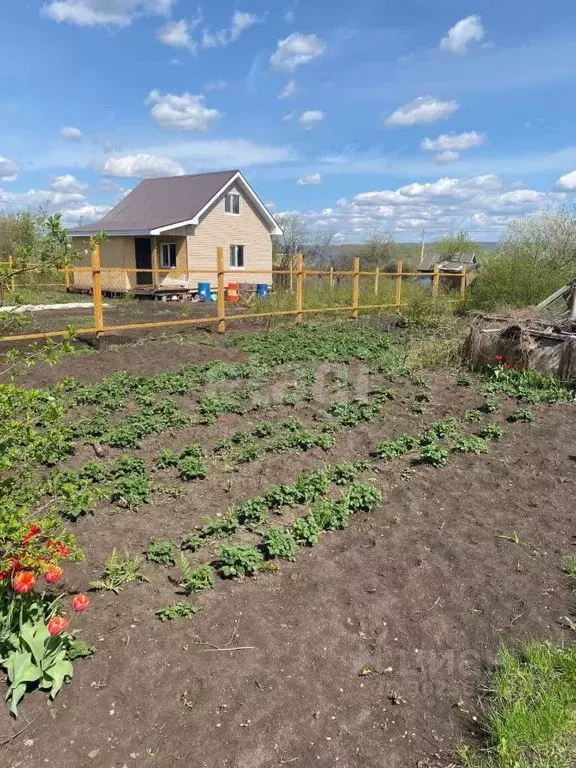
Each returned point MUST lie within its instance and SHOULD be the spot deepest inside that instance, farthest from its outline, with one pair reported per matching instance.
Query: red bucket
(232, 294)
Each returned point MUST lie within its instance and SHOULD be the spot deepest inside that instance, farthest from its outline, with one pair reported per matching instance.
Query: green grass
(531, 719)
(570, 567)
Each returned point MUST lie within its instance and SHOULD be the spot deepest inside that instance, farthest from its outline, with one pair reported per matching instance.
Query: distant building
(455, 263)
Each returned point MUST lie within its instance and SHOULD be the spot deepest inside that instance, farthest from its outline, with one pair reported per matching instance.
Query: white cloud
(215, 154)
(176, 34)
(457, 142)
(185, 112)
(93, 13)
(66, 184)
(424, 109)
(140, 166)
(310, 119)
(240, 22)
(215, 85)
(567, 183)
(72, 205)
(290, 16)
(482, 203)
(8, 169)
(313, 179)
(70, 133)
(83, 214)
(463, 33)
(289, 90)
(295, 50)
(288, 118)
(448, 156)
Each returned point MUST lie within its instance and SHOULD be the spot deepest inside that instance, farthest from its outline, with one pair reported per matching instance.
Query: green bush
(515, 279)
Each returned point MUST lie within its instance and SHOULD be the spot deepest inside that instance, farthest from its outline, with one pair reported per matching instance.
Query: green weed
(177, 611)
(161, 551)
(195, 579)
(119, 571)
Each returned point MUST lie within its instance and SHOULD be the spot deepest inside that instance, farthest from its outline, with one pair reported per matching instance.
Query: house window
(236, 257)
(232, 204)
(168, 255)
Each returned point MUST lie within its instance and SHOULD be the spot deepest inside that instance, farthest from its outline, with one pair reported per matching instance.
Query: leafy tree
(455, 242)
(37, 245)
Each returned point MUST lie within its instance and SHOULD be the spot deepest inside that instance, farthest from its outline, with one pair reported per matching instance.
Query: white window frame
(163, 263)
(228, 202)
(233, 256)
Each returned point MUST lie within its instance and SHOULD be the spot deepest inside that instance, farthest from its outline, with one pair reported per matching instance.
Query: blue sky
(425, 114)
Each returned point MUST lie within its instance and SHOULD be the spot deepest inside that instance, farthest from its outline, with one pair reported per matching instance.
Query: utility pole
(423, 243)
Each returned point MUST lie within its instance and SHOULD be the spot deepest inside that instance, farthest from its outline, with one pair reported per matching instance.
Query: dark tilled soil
(142, 359)
(422, 591)
(135, 312)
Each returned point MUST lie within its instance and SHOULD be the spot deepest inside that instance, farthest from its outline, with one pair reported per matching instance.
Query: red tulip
(498, 358)
(23, 582)
(507, 366)
(80, 603)
(57, 624)
(62, 550)
(52, 574)
(34, 530)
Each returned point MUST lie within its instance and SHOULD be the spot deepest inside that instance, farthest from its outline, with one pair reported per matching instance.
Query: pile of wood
(540, 339)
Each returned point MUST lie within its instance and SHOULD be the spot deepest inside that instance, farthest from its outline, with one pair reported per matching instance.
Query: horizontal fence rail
(296, 283)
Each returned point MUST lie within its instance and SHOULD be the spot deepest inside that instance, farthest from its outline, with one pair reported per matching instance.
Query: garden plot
(293, 562)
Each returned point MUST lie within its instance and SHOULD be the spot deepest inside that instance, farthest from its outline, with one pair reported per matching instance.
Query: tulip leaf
(59, 672)
(35, 638)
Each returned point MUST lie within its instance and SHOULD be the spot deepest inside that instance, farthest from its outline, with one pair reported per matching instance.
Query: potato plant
(239, 561)
(279, 542)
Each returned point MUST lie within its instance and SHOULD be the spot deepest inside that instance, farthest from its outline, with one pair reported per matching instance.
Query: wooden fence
(297, 276)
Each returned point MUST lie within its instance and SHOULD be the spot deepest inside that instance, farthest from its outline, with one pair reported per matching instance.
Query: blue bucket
(204, 291)
(262, 290)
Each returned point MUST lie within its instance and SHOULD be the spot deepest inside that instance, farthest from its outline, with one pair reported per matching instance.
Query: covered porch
(146, 265)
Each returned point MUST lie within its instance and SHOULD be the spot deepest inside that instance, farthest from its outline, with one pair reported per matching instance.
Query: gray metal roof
(160, 202)
(431, 259)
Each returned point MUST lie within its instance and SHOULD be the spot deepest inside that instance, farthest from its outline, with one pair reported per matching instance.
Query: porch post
(155, 262)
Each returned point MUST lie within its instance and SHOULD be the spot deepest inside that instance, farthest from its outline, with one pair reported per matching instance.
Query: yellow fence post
(435, 280)
(331, 277)
(67, 277)
(463, 282)
(399, 268)
(11, 267)
(299, 286)
(221, 296)
(356, 287)
(97, 291)
(376, 281)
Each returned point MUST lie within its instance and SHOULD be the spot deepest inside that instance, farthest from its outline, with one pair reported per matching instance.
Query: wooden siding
(180, 272)
(219, 229)
(119, 252)
(114, 252)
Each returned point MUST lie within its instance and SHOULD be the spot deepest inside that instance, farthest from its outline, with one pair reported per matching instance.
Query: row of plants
(434, 446)
(278, 542)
